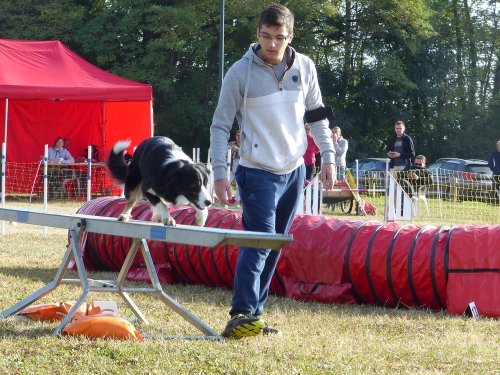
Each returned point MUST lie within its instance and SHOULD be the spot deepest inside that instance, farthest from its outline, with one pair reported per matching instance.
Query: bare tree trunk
(496, 81)
(346, 69)
(459, 61)
(473, 74)
(485, 82)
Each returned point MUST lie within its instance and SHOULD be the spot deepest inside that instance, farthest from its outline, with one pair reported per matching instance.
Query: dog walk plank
(184, 234)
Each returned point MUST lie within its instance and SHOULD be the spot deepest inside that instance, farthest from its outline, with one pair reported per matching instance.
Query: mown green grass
(441, 212)
(316, 339)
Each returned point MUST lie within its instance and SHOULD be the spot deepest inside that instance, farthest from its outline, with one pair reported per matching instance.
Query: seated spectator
(417, 175)
(94, 152)
(56, 176)
(82, 174)
(67, 144)
(59, 154)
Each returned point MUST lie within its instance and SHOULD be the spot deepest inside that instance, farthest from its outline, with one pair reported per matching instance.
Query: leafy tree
(431, 63)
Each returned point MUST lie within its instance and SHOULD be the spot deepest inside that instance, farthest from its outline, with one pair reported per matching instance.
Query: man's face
(399, 129)
(498, 146)
(273, 42)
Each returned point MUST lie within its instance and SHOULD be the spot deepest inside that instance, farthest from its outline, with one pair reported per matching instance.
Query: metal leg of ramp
(79, 225)
(113, 286)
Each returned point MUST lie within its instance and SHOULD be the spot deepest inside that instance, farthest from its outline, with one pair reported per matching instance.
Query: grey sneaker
(244, 325)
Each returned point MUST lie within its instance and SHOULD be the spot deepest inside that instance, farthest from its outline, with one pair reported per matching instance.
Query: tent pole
(151, 117)
(104, 140)
(6, 120)
(4, 160)
(4, 147)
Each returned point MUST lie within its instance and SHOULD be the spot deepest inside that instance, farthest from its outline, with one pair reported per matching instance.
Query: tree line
(432, 63)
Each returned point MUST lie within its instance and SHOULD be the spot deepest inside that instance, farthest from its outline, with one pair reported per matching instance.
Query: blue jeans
(269, 204)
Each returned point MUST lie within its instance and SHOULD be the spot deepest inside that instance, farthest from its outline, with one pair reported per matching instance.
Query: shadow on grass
(222, 298)
(34, 274)
(11, 328)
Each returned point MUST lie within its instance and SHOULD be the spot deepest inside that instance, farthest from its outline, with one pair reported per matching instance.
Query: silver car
(370, 172)
(461, 179)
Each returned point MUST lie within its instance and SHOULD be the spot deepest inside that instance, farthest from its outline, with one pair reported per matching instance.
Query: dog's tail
(117, 165)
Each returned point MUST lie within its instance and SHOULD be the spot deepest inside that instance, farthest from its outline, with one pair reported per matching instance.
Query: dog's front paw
(169, 221)
(124, 217)
(201, 217)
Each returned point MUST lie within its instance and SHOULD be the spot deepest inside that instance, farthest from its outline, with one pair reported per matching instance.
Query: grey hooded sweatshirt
(270, 114)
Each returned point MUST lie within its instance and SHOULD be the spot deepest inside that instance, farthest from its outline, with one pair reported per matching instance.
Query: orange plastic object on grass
(51, 311)
(102, 326)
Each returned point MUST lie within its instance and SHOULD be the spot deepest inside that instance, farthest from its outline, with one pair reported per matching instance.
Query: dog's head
(190, 185)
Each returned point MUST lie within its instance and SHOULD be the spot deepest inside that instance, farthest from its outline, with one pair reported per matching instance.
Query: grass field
(441, 212)
(316, 339)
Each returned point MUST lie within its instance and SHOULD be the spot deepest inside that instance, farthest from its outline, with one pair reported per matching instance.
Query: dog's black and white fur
(162, 173)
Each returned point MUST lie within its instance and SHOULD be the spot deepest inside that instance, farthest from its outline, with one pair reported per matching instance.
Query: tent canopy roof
(49, 70)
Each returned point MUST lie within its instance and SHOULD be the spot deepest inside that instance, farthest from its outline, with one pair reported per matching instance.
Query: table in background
(70, 180)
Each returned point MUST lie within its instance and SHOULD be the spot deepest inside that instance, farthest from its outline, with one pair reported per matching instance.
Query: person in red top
(310, 154)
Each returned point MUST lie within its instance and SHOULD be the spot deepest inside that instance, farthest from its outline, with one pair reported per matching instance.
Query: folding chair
(66, 176)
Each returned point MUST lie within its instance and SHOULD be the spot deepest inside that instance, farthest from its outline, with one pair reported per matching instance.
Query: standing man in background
(400, 149)
(269, 91)
(310, 154)
(340, 146)
(494, 164)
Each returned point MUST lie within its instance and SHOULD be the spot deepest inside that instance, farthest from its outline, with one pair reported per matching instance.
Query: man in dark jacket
(400, 149)
(494, 164)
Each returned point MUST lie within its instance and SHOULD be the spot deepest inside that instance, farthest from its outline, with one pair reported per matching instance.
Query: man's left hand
(328, 175)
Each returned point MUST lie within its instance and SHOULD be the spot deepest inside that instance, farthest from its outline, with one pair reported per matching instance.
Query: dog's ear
(171, 172)
(177, 170)
(205, 172)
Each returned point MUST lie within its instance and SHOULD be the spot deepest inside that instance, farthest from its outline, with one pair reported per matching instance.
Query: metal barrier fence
(451, 197)
(448, 198)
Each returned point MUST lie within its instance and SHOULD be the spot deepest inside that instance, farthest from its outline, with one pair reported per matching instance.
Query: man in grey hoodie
(270, 91)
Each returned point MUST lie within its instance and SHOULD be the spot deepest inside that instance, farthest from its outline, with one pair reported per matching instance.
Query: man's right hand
(393, 154)
(222, 189)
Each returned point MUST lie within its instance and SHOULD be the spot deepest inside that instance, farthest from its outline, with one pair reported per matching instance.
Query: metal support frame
(140, 231)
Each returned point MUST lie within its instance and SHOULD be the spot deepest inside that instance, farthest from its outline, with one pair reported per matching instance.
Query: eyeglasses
(279, 39)
(418, 164)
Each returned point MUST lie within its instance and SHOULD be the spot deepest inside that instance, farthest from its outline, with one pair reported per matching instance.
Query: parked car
(461, 179)
(370, 172)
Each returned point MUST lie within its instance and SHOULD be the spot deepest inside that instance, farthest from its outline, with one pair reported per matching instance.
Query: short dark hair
(399, 122)
(277, 15)
(57, 140)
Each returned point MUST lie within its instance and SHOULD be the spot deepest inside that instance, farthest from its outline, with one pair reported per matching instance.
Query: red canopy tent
(46, 90)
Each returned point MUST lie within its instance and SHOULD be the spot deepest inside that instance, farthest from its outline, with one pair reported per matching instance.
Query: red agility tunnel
(329, 260)
(395, 265)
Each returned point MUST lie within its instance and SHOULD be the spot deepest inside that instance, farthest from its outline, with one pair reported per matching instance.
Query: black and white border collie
(162, 173)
